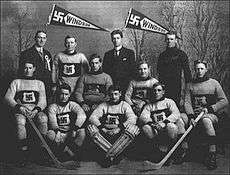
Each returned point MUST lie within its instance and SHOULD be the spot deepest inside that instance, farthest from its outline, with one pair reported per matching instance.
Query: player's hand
(205, 110)
(113, 131)
(192, 122)
(159, 126)
(86, 107)
(94, 106)
(33, 113)
(25, 111)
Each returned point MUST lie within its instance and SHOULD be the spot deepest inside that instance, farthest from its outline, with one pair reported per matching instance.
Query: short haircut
(141, 62)
(116, 32)
(64, 86)
(29, 61)
(172, 33)
(158, 84)
(115, 87)
(70, 36)
(39, 31)
(200, 61)
(94, 56)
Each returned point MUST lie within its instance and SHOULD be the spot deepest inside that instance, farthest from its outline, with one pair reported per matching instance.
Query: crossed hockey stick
(155, 166)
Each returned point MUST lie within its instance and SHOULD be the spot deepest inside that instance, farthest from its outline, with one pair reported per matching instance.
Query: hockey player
(26, 96)
(205, 93)
(92, 87)
(138, 92)
(69, 65)
(159, 118)
(113, 125)
(65, 120)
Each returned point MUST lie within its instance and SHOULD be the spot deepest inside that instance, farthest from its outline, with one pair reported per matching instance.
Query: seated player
(158, 119)
(113, 125)
(27, 97)
(92, 87)
(137, 94)
(205, 93)
(65, 120)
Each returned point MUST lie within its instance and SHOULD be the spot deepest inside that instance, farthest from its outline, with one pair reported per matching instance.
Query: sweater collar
(202, 79)
(67, 53)
(97, 72)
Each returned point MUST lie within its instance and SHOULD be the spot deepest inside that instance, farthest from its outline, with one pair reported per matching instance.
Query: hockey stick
(155, 166)
(56, 162)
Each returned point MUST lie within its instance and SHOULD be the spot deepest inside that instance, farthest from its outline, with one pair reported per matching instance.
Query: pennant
(137, 20)
(62, 17)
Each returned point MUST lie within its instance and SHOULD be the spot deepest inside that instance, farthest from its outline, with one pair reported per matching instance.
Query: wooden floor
(124, 167)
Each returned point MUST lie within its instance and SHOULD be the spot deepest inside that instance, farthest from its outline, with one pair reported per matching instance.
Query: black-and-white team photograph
(115, 87)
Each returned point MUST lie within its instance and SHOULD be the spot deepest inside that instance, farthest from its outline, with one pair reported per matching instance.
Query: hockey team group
(112, 104)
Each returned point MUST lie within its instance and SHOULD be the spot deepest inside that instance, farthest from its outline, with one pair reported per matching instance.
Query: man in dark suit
(119, 62)
(42, 59)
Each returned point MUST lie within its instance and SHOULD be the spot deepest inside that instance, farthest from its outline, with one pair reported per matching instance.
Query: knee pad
(213, 118)
(172, 130)
(98, 139)
(21, 132)
(123, 141)
(149, 131)
(20, 119)
(80, 137)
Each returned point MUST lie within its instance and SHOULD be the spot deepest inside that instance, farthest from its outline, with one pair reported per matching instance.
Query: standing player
(170, 65)
(65, 120)
(159, 118)
(27, 97)
(69, 65)
(92, 87)
(138, 92)
(42, 61)
(205, 93)
(113, 125)
(119, 62)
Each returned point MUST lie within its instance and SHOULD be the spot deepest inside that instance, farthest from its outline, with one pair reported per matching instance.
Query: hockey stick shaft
(161, 163)
(53, 157)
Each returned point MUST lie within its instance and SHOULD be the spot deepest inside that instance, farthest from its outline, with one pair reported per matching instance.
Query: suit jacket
(121, 68)
(43, 64)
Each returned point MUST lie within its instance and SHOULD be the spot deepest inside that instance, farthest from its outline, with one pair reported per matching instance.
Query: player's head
(171, 39)
(63, 93)
(70, 43)
(114, 93)
(95, 62)
(143, 69)
(29, 68)
(116, 38)
(158, 91)
(40, 38)
(201, 68)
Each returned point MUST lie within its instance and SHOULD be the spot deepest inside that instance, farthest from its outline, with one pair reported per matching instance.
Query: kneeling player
(113, 125)
(65, 120)
(26, 96)
(159, 120)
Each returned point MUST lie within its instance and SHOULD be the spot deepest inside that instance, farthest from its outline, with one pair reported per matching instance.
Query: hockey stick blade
(56, 162)
(155, 166)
